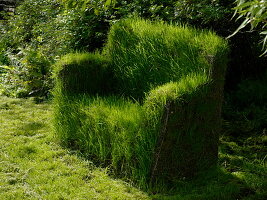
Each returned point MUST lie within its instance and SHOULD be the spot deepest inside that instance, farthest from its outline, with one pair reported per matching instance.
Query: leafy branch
(255, 14)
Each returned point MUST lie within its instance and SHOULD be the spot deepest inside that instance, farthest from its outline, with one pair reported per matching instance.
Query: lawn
(33, 165)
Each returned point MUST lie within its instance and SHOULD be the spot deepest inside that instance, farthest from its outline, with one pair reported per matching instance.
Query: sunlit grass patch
(34, 166)
(245, 158)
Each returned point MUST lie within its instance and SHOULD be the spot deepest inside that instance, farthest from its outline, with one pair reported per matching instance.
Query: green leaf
(96, 11)
(108, 3)
(5, 67)
(264, 40)
(244, 24)
(264, 53)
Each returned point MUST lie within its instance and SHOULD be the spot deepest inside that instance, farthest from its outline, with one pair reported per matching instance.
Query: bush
(38, 34)
(28, 74)
(88, 30)
(245, 110)
(31, 40)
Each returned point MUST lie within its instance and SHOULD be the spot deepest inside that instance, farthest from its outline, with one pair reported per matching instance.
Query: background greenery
(42, 31)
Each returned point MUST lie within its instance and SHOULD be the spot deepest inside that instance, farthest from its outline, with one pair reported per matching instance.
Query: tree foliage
(254, 13)
(52, 28)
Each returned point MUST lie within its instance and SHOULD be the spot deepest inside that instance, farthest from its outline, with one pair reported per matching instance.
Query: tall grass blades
(146, 54)
(83, 73)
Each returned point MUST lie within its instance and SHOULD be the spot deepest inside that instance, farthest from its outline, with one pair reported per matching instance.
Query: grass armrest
(78, 73)
(184, 118)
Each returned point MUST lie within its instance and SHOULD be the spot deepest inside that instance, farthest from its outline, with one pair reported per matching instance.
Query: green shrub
(88, 30)
(31, 39)
(11, 82)
(245, 110)
(37, 35)
(28, 74)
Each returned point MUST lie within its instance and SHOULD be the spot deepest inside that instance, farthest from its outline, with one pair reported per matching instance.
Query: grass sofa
(149, 105)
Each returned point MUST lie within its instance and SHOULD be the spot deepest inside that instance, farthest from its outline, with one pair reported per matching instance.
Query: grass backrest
(145, 54)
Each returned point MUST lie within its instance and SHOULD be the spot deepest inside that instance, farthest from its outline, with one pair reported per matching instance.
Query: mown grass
(34, 166)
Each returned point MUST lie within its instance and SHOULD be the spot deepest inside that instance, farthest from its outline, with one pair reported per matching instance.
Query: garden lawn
(34, 166)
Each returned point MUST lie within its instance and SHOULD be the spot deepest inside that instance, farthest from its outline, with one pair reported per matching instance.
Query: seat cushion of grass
(107, 128)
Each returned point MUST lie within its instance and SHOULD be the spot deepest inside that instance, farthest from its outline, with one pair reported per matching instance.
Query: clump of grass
(172, 91)
(118, 132)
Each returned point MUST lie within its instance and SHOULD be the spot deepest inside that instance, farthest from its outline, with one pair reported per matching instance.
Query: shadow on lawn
(214, 184)
(241, 174)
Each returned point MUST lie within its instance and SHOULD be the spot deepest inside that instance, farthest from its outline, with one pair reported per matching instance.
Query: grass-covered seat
(149, 105)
